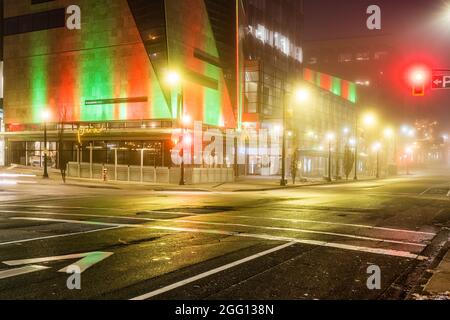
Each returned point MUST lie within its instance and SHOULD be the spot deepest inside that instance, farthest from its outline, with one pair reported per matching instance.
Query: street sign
(441, 82)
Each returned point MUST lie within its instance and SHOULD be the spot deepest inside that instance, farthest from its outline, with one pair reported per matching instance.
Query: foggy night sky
(418, 24)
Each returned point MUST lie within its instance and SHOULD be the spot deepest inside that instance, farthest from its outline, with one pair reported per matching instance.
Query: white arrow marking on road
(20, 271)
(88, 260)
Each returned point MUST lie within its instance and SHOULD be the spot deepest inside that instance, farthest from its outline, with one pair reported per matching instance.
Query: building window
(363, 56)
(345, 57)
(380, 55)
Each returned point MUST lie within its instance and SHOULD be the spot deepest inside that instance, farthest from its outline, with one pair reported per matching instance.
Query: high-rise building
(273, 57)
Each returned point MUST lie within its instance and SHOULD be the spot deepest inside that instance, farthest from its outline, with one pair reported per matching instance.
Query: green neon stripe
(39, 76)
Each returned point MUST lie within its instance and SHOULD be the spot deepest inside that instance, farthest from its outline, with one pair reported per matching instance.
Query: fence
(157, 175)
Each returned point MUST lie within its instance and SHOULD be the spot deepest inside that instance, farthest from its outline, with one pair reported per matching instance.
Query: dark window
(35, 22)
(40, 1)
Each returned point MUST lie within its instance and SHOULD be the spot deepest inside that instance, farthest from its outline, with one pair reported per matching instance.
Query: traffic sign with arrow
(441, 82)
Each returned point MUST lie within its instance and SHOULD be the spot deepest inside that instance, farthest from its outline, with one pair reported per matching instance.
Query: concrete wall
(149, 174)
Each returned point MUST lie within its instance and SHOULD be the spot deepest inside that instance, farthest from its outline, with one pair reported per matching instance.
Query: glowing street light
(376, 147)
(187, 120)
(388, 133)
(352, 142)
(330, 136)
(370, 120)
(173, 78)
(302, 95)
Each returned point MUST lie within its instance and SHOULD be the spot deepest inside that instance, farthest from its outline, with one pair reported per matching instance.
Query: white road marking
(234, 216)
(211, 272)
(57, 236)
(434, 187)
(387, 252)
(304, 221)
(20, 271)
(341, 235)
(88, 260)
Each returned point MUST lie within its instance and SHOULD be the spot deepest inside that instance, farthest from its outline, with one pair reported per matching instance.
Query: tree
(294, 166)
(349, 161)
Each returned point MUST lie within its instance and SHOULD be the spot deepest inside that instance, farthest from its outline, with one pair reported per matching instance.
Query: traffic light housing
(418, 90)
(418, 78)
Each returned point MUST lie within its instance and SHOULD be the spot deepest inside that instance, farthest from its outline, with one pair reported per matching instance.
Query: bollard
(105, 174)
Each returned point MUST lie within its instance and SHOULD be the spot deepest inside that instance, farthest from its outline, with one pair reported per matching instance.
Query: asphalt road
(307, 243)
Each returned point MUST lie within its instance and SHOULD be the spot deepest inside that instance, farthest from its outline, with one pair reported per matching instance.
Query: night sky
(417, 24)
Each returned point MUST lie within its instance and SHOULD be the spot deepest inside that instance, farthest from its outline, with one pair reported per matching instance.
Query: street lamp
(173, 80)
(388, 133)
(377, 148)
(302, 96)
(45, 116)
(369, 120)
(330, 138)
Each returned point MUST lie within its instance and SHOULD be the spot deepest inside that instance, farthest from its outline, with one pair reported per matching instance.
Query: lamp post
(174, 79)
(408, 158)
(283, 181)
(356, 149)
(46, 115)
(377, 149)
(302, 95)
(369, 120)
(330, 138)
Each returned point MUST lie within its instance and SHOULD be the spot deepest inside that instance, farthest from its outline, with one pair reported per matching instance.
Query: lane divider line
(57, 236)
(228, 216)
(341, 235)
(305, 221)
(380, 251)
(210, 273)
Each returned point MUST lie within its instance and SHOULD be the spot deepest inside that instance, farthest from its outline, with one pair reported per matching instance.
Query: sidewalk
(438, 287)
(242, 184)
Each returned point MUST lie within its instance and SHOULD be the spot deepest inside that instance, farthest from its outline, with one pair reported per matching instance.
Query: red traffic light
(418, 77)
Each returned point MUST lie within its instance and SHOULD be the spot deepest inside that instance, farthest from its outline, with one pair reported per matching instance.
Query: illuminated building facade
(107, 79)
(105, 83)
(273, 57)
